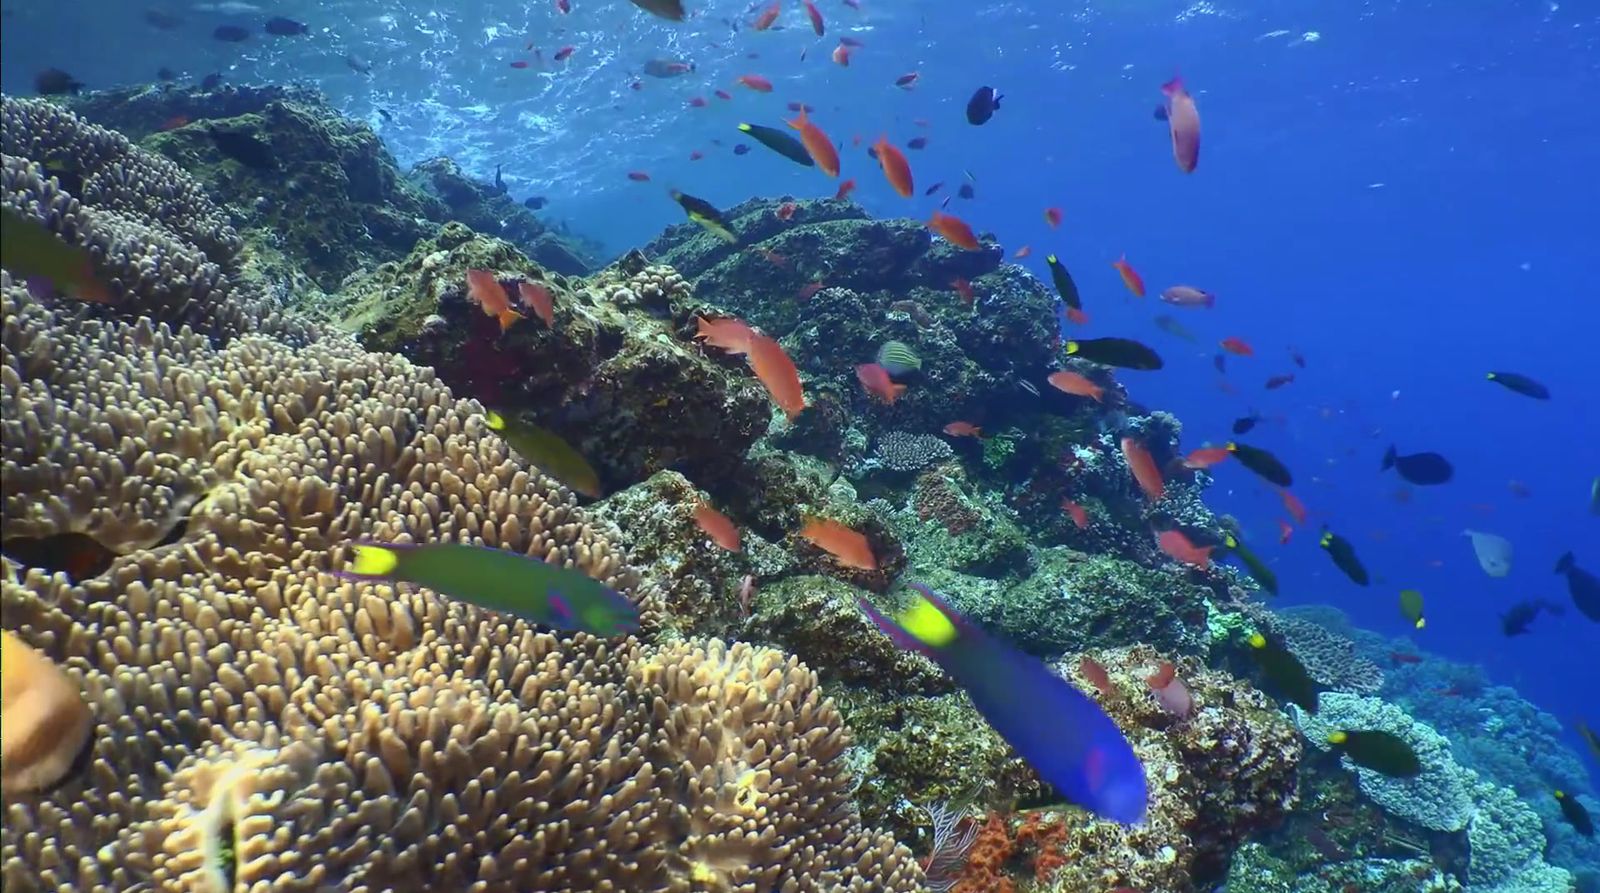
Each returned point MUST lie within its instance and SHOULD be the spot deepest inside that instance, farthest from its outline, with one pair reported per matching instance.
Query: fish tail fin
(1564, 563)
(1211, 300)
(1388, 459)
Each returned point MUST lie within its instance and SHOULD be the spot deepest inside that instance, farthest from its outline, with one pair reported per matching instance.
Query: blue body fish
(1061, 732)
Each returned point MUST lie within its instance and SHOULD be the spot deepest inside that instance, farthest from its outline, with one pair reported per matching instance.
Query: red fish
(1076, 513)
(777, 373)
(1170, 692)
(1144, 469)
(786, 210)
(1091, 669)
(1285, 530)
(696, 155)
(1237, 346)
(639, 176)
(1022, 252)
(955, 230)
(717, 526)
(729, 334)
(520, 63)
(1182, 549)
(963, 429)
(1183, 119)
(907, 81)
(698, 102)
(964, 289)
(817, 144)
(895, 167)
(807, 291)
(1405, 657)
(767, 17)
(562, 54)
(488, 293)
(844, 190)
(1189, 296)
(1205, 457)
(1278, 381)
(174, 122)
(538, 299)
(849, 547)
(1293, 506)
(722, 94)
(841, 55)
(1130, 278)
(774, 258)
(815, 16)
(1077, 385)
(876, 380)
(1052, 216)
(756, 82)
(564, 6)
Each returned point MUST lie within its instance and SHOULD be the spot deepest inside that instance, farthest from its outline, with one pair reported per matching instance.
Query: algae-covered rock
(1256, 869)
(818, 619)
(949, 525)
(488, 209)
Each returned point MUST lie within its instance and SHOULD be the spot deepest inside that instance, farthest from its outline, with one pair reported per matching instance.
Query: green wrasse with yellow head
(704, 213)
(548, 451)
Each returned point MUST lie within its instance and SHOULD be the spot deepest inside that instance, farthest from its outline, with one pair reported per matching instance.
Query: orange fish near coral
(1238, 347)
(1293, 505)
(963, 429)
(717, 526)
(1205, 457)
(1130, 277)
(844, 190)
(964, 289)
(756, 82)
(1183, 120)
(536, 297)
(876, 380)
(895, 167)
(1144, 469)
(777, 373)
(1180, 548)
(729, 334)
(484, 289)
(1170, 692)
(1077, 385)
(767, 17)
(1091, 669)
(817, 144)
(848, 547)
(1077, 513)
(786, 210)
(955, 230)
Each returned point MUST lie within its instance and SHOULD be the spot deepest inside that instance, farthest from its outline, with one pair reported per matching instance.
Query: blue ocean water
(1402, 191)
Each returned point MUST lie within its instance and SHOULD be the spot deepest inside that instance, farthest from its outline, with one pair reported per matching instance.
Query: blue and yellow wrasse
(1061, 732)
(501, 581)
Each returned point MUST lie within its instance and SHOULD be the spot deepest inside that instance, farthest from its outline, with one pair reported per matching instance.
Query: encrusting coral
(260, 724)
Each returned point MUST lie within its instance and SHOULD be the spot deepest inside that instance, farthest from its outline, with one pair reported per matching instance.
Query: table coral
(1330, 658)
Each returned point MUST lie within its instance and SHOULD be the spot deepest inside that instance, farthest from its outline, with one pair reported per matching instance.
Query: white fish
(1494, 552)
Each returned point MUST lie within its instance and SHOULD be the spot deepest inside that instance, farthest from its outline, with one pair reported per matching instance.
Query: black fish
(965, 191)
(1123, 352)
(166, 74)
(211, 81)
(245, 149)
(932, 189)
(1575, 814)
(1262, 463)
(499, 184)
(1380, 751)
(534, 203)
(1344, 556)
(1259, 571)
(283, 27)
(1422, 469)
(162, 19)
(1284, 672)
(54, 82)
(917, 142)
(1522, 384)
(1516, 621)
(741, 149)
(1584, 586)
(1063, 282)
(982, 106)
(385, 115)
(779, 142)
(231, 33)
(706, 214)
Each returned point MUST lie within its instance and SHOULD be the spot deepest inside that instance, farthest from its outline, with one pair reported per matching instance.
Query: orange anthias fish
(1130, 277)
(717, 526)
(955, 230)
(1052, 216)
(876, 380)
(536, 297)
(1144, 469)
(1076, 512)
(1293, 505)
(484, 289)
(756, 82)
(817, 144)
(1090, 669)
(777, 373)
(1183, 119)
(964, 289)
(1179, 547)
(963, 429)
(1022, 252)
(895, 167)
(844, 190)
(174, 122)
(1205, 457)
(729, 334)
(767, 17)
(1077, 385)
(786, 210)
(848, 547)
(1285, 530)
(815, 15)
(1237, 346)
(841, 55)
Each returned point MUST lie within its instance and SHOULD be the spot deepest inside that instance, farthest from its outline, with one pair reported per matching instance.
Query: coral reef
(1329, 657)
(258, 722)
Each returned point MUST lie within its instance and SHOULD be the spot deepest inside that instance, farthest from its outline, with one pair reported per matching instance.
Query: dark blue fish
(282, 27)
(231, 33)
(982, 106)
(1061, 732)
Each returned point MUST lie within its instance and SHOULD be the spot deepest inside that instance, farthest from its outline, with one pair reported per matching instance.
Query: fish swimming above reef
(1493, 551)
(899, 358)
(1411, 608)
(279, 26)
(668, 68)
(1061, 732)
(498, 580)
(982, 106)
(1422, 469)
(1382, 752)
(1257, 568)
(1515, 622)
(1065, 287)
(1583, 586)
(780, 142)
(848, 546)
(1344, 556)
(55, 82)
(1262, 463)
(1121, 352)
(1521, 384)
(1575, 814)
(1284, 672)
(702, 212)
(548, 451)
(671, 10)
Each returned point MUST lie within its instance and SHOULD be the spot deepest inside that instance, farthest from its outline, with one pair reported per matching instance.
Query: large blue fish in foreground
(1061, 732)
(501, 581)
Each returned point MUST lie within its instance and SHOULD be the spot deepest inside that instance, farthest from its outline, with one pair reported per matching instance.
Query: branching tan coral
(263, 725)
